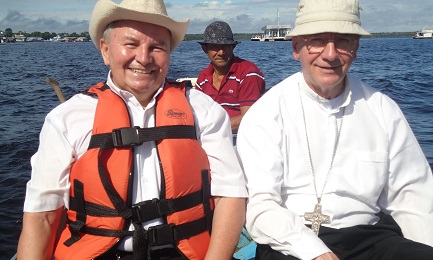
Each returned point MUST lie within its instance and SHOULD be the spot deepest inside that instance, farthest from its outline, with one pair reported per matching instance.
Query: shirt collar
(330, 105)
(128, 97)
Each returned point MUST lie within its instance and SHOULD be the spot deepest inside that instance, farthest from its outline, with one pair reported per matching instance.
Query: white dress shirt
(66, 134)
(378, 166)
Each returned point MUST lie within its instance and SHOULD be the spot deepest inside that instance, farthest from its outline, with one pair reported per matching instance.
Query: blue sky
(244, 16)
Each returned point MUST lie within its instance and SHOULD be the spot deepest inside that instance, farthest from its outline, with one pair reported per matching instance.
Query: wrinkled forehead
(149, 29)
(331, 35)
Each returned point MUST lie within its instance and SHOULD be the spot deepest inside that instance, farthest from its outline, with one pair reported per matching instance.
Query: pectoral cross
(316, 217)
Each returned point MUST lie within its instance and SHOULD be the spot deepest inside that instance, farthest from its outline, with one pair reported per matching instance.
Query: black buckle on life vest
(126, 136)
(145, 211)
(161, 235)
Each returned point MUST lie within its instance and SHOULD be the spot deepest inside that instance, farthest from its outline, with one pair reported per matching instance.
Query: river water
(400, 67)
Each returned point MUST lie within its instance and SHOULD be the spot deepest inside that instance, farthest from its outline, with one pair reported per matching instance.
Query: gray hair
(107, 32)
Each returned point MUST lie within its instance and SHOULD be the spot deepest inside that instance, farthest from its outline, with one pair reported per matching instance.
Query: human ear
(104, 51)
(296, 47)
(204, 48)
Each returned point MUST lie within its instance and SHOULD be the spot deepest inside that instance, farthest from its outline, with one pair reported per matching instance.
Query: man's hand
(327, 256)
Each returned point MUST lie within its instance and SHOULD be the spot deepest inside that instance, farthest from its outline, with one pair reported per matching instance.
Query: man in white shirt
(333, 169)
(142, 190)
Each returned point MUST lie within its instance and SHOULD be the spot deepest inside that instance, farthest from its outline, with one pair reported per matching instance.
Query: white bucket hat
(335, 16)
(148, 11)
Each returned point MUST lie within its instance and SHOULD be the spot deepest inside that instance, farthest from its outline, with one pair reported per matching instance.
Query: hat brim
(233, 43)
(106, 12)
(342, 27)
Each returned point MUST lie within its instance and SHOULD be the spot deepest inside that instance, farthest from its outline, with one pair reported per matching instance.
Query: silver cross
(317, 218)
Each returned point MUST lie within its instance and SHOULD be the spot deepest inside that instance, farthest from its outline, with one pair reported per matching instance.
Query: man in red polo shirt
(232, 82)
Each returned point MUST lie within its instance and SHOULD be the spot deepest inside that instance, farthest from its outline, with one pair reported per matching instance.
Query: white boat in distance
(424, 34)
(274, 32)
(256, 38)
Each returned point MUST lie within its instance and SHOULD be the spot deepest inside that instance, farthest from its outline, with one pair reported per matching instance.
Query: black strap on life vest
(145, 210)
(133, 136)
(142, 212)
(167, 233)
(77, 225)
(156, 235)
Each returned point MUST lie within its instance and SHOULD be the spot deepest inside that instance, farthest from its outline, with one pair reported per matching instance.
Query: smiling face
(325, 72)
(138, 55)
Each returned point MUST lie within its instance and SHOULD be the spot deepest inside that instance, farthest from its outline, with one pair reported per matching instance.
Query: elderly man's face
(138, 55)
(325, 59)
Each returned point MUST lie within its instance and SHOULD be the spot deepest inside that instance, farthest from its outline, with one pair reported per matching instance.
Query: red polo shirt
(242, 85)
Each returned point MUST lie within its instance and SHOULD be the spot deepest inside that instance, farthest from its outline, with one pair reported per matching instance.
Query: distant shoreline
(193, 37)
(247, 36)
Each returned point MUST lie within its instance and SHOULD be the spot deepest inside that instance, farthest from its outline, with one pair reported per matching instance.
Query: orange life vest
(101, 211)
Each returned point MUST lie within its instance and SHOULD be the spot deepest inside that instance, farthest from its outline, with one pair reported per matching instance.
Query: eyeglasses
(344, 44)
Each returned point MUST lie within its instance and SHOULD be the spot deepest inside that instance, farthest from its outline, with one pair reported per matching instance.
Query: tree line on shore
(245, 36)
(8, 32)
(241, 36)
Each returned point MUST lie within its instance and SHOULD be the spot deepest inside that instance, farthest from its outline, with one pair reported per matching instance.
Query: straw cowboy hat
(335, 16)
(148, 11)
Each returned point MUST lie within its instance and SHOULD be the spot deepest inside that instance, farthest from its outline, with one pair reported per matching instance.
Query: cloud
(19, 22)
(390, 16)
(244, 16)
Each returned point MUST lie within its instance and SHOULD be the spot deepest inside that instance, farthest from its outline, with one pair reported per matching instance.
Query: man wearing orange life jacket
(127, 191)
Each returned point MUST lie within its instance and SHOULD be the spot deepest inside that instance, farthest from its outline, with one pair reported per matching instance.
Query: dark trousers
(162, 254)
(382, 241)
